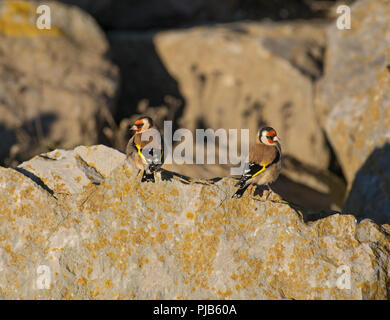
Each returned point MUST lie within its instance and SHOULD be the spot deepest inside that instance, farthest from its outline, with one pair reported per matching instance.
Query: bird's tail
(148, 177)
(240, 183)
(240, 191)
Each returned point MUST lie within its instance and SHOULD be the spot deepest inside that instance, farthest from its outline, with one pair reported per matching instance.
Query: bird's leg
(252, 189)
(269, 192)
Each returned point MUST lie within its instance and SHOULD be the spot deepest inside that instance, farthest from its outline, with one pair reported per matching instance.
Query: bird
(145, 148)
(264, 164)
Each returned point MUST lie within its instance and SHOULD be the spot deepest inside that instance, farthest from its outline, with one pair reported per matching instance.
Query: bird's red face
(140, 125)
(271, 136)
(268, 136)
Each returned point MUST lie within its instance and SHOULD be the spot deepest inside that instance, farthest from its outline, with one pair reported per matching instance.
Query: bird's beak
(276, 138)
(134, 128)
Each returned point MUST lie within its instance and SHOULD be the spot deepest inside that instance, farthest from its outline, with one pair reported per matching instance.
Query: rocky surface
(175, 239)
(353, 103)
(78, 224)
(54, 83)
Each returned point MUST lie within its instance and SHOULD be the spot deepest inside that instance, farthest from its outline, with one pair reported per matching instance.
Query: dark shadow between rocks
(151, 14)
(370, 192)
(167, 175)
(144, 77)
(30, 137)
(35, 179)
(307, 214)
(8, 139)
(301, 195)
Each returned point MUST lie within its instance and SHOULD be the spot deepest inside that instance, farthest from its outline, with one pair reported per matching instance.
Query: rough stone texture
(53, 84)
(353, 101)
(177, 239)
(59, 172)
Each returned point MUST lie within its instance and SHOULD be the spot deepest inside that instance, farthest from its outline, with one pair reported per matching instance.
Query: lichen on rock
(122, 239)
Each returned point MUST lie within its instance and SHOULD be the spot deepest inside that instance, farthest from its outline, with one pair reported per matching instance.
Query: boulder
(353, 103)
(178, 238)
(54, 83)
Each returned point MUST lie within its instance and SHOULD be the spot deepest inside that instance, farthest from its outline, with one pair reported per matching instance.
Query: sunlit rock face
(55, 83)
(353, 103)
(64, 237)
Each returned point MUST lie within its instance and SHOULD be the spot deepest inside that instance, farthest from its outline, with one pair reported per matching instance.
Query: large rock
(176, 239)
(54, 83)
(353, 101)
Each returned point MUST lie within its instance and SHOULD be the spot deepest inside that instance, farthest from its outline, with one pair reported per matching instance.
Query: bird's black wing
(152, 155)
(251, 170)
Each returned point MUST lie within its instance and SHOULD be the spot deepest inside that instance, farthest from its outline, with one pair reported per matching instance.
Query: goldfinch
(145, 148)
(265, 162)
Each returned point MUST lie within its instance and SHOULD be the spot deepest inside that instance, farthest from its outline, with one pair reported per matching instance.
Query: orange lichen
(18, 18)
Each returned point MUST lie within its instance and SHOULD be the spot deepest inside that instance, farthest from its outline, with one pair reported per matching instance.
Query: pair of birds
(263, 167)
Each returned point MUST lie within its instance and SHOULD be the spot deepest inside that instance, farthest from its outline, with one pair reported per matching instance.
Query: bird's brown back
(138, 140)
(263, 154)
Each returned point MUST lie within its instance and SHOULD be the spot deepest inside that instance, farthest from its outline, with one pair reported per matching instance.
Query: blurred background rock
(208, 64)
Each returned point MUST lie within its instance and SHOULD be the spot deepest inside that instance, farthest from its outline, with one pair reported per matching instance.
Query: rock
(54, 92)
(310, 188)
(59, 171)
(353, 101)
(177, 239)
(28, 216)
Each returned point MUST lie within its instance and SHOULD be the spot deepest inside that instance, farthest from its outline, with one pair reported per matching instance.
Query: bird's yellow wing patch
(264, 165)
(140, 152)
(260, 171)
(139, 149)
